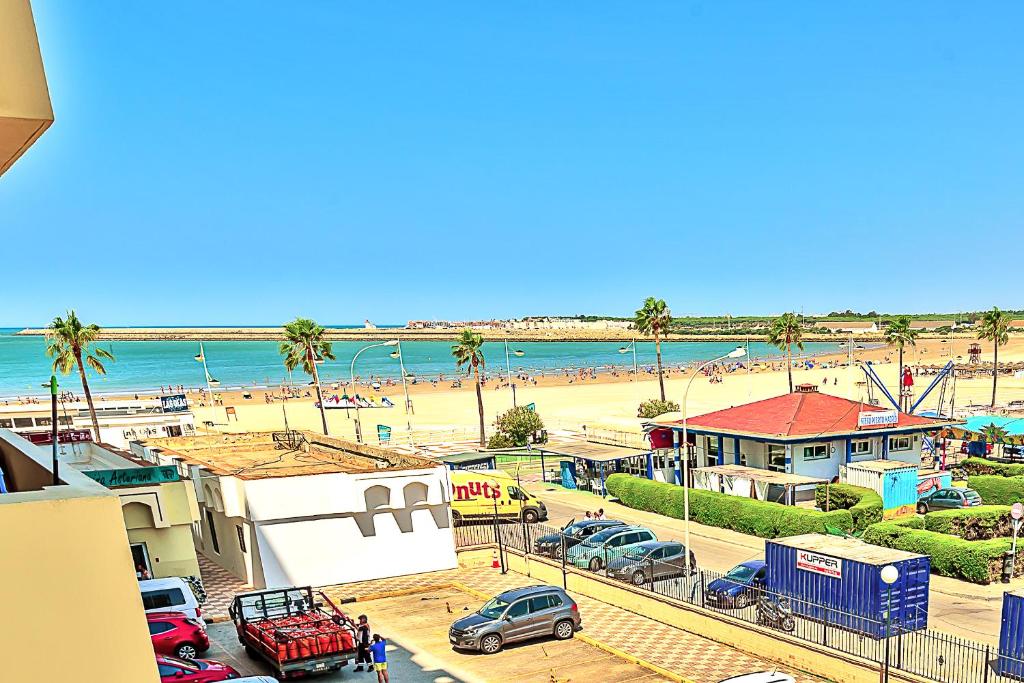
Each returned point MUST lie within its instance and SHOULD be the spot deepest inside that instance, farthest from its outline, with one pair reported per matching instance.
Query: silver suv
(518, 614)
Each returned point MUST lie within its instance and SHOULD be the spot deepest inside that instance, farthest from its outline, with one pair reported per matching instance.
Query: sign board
(532, 407)
(878, 418)
(174, 404)
(819, 564)
(1017, 511)
(383, 433)
(63, 436)
(134, 476)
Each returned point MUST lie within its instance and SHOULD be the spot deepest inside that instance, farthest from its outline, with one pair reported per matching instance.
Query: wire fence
(920, 651)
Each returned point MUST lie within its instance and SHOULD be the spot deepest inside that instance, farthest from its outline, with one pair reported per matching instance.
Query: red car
(174, 670)
(174, 633)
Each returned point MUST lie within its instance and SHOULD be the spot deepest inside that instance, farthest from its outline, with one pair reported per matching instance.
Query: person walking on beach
(380, 658)
(363, 644)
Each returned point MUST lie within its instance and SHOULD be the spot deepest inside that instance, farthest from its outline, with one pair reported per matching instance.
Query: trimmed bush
(746, 515)
(864, 504)
(977, 465)
(974, 561)
(972, 524)
(998, 490)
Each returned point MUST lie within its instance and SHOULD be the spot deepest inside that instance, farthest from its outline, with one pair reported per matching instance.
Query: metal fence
(931, 654)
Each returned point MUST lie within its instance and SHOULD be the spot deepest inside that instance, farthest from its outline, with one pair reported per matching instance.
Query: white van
(169, 595)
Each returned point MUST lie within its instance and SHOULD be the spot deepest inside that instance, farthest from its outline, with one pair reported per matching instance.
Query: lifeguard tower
(974, 354)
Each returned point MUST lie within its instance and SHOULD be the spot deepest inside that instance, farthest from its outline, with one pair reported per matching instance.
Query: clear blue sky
(229, 162)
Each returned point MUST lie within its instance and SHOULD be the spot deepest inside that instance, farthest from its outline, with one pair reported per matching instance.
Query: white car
(760, 677)
(256, 679)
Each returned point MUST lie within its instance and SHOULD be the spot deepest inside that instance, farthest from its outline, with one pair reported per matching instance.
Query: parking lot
(416, 627)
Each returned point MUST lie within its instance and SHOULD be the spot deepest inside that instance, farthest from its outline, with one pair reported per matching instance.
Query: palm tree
(468, 351)
(654, 318)
(993, 327)
(994, 434)
(305, 345)
(783, 333)
(68, 342)
(898, 333)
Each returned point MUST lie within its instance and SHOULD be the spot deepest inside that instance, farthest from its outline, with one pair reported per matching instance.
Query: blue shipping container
(1011, 636)
(838, 580)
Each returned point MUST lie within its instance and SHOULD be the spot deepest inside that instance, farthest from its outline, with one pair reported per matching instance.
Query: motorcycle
(776, 613)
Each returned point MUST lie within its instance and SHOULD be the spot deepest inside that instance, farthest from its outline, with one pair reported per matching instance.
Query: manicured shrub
(972, 524)
(864, 504)
(985, 466)
(746, 515)
(996, 489)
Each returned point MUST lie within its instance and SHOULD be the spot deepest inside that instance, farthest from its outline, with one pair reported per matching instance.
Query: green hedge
(983, 466)
(975, 561)
(864, 504)
(996, 489)
(972, 524)
(746, 515)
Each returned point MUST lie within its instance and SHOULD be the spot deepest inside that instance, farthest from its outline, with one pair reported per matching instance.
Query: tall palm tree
(783, 333)
(68, 342)
(898, 333)
(305, 346)
(993, 327)
(654, 318)
(468, 351)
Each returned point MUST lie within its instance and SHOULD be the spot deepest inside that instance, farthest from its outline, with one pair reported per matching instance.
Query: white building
(303, 509)
(849, 327)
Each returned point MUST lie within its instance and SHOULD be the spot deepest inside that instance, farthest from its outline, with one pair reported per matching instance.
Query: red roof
(798, 415)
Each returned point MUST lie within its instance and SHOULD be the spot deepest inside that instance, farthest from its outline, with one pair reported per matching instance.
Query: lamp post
(405, 386)
(508, 370)
(625, 349)
(497, 529)
(889, 576)
(352, 376)
(53, 422)
(738, 352)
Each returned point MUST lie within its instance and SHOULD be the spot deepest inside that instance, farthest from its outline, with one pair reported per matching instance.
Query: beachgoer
(380, 658)
(363, 644)
(600, 514)
(588, 515)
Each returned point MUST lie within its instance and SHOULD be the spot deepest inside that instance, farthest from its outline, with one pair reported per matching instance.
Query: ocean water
(145, 365)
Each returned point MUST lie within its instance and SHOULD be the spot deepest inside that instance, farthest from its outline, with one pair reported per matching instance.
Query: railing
(920, 651)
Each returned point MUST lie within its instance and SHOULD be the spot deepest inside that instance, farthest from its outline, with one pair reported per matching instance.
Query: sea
(148, 365)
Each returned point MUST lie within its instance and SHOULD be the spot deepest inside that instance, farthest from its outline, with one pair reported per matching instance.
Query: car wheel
(490, 644)
(558, 551)
(638, 578)
(788, 623)
(186, 651)
(742, 600)
(564, 630)
(922, 509)
(530, 516)
(595, 564)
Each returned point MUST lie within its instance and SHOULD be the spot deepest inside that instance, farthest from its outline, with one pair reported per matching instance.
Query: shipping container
(1011, 636)
(895, 481)
(838, 580)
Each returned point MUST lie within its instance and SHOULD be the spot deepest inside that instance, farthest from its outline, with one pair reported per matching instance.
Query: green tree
(994, 327)
(305, 346)
(898, 333)
(654, 318)
(515, 426)
(654, 407)
(994, 434)
(68, 342)
(782, 334)
(468, 352)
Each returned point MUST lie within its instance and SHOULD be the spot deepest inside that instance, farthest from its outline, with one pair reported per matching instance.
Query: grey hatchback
(518, 614)
(948, 499)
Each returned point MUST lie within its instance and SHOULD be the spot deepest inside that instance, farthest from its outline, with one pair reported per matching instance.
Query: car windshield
(638, 553)
(493, 608)
(188, 666)
(741, 573)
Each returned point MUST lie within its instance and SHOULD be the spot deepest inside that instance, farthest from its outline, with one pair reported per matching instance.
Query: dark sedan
(574, 532)
(739, 587)
(651, 561)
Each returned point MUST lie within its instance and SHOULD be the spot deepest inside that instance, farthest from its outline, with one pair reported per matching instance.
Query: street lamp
(889, 576)
(625, 349)
(397, 353)
(508, 370)
(738, 352)
(352, 376)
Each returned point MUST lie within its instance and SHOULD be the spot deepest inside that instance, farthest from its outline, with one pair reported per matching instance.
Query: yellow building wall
(25, 111)
(171, 549)
(60, 558)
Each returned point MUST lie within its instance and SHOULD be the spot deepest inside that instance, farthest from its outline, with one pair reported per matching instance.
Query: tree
(898, 333)
(305, 346)
(515, 426)
(994, 434)
(994, 327)
(654, 318)
(468, 351)
(783, 333)
(654, 407)
(68, 342)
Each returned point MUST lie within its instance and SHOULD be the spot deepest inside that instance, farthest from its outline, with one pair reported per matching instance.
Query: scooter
(776, 613)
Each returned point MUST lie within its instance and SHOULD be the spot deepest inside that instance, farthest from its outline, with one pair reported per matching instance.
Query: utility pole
(53, 423)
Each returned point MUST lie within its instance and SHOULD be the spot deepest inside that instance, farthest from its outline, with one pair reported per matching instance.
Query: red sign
(63, 436)
(661, 438)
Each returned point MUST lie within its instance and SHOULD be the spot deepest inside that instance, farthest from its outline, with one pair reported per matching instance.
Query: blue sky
(248, 162)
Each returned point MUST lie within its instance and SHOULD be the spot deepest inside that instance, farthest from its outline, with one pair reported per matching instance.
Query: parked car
(651, 561)
(606, 545)
(760, 677)
(257, 679)
(177, 670)
(172, 594)
(515, 615)
(175, 633)
(948, 499)
(574, 532)
(739, 587)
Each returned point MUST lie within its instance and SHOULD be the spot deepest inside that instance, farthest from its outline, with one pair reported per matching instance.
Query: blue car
(738, 588)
